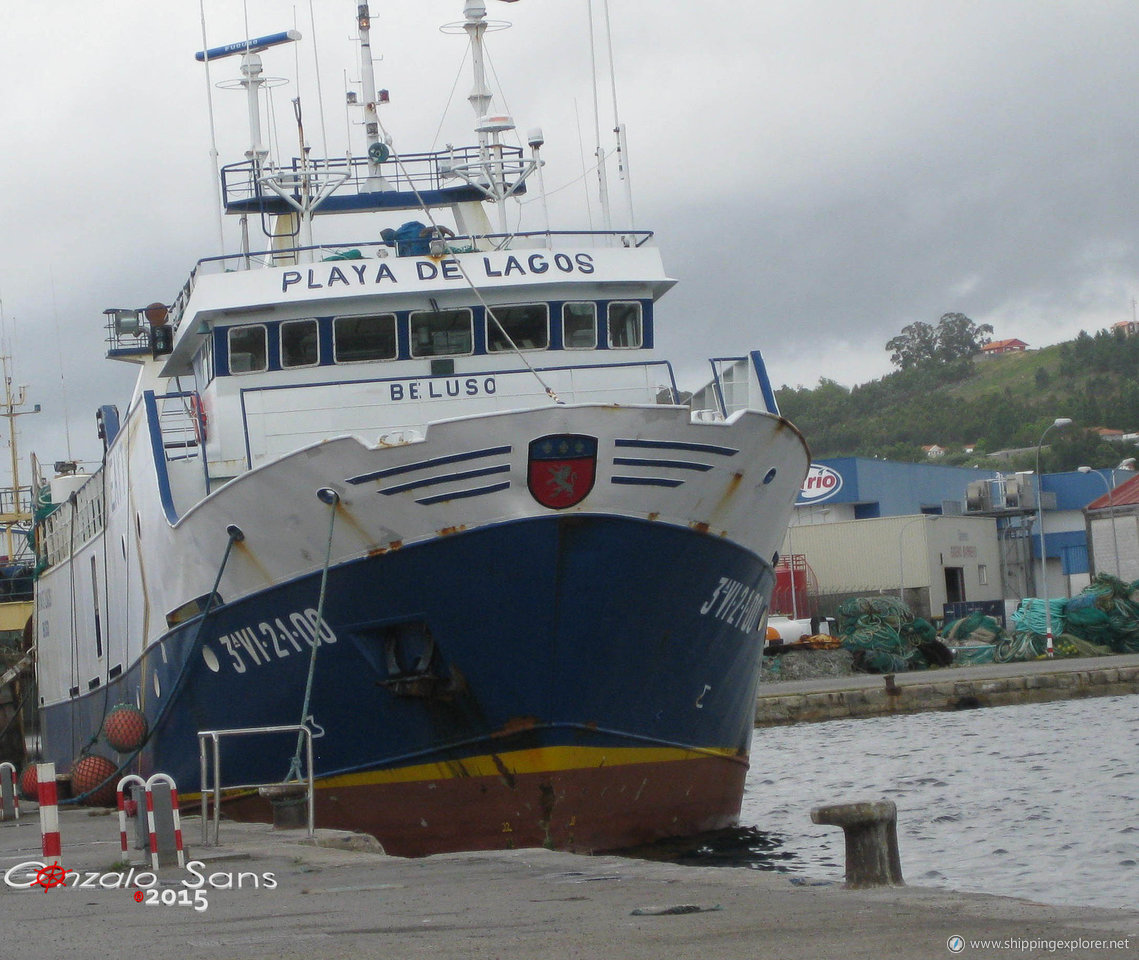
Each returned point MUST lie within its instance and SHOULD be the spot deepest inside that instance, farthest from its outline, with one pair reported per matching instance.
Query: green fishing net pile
(981, 639)
(886, 637)
(1104, 618)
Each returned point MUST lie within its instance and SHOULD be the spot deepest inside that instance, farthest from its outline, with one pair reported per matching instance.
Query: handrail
(424, 171)
(214, 736)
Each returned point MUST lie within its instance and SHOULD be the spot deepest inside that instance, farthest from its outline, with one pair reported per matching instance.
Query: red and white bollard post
(167, 779)
(9, 794)
(49, 809)
(129, 780)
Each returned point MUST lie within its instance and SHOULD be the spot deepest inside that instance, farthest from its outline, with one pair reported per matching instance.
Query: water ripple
(1023, 801)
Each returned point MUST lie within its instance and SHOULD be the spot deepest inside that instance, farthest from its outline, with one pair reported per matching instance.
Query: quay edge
(345, 899)
(953, 688)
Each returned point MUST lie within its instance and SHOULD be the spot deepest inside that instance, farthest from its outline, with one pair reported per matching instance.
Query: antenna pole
(213, 132)
(618, 126)
(599, 152)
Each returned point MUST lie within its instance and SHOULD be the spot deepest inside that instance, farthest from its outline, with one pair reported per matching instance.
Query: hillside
(1000, 403)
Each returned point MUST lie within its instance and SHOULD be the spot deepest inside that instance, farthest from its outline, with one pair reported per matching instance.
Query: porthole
(769, 476)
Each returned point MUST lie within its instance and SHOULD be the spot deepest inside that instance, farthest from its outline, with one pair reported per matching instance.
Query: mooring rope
(332, 498)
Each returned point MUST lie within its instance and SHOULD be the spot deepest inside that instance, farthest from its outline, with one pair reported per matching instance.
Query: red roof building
(1111, 524)
(1126, 494)
(1003, 346)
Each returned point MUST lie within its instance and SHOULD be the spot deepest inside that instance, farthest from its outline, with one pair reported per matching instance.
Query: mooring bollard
(130, 778)
(871, 829)
(9, 795)
(175, 819)
(290, 804)
(49, 809)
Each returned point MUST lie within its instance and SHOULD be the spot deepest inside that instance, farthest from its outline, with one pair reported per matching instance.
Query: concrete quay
(345, 899)
(949, 688)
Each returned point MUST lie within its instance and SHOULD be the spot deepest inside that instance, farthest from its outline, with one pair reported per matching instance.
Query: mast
(252, 81)
(15, 504)
(486, 126)
(495, 176)
(377, 150)
(480, 96)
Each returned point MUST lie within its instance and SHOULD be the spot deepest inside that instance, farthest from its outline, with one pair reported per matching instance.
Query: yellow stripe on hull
(534, 760)
(519, 762)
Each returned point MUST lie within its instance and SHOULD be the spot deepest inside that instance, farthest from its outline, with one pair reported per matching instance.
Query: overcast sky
(819, 172)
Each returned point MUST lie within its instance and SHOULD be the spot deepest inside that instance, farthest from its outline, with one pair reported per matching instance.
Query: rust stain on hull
(384, 548)
(242, 547)
(516, 725)
(345, 515)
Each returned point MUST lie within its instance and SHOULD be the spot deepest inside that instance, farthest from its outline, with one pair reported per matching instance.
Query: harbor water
(1039, 801)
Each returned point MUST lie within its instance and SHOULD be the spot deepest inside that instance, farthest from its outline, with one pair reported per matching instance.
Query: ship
(418, 480)
(17, 577)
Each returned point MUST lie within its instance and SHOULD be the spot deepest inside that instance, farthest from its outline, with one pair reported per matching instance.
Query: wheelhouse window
(364, 338)
(440, 333)
(248, 349)
(299, 343)
(579, 326)
(624, 324)
(527, 325)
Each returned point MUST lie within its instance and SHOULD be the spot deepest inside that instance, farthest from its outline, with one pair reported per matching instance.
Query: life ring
(198, 416)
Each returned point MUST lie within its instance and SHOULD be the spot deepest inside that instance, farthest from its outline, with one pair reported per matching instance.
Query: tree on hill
(1076, 447)
(1092, 379)
(955, 337)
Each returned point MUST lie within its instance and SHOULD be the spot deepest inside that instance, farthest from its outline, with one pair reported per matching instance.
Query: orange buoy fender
(125, 728)
(29, 782)
(88, 774)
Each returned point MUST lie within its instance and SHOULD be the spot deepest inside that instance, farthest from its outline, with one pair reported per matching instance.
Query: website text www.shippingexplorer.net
(965, 946)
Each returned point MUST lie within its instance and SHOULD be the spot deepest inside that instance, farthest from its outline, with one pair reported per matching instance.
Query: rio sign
(821, 483)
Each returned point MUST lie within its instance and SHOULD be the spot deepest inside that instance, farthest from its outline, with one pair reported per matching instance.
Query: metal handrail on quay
(214, 737)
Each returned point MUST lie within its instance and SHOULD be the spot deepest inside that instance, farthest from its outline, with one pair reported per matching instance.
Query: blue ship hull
(537, 671)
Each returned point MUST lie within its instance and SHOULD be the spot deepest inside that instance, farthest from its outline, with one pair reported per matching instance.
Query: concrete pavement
(273, 894)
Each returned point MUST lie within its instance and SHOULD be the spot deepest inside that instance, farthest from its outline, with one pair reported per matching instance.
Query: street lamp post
(901, 556)
(1110, 511)
(1059, 423)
